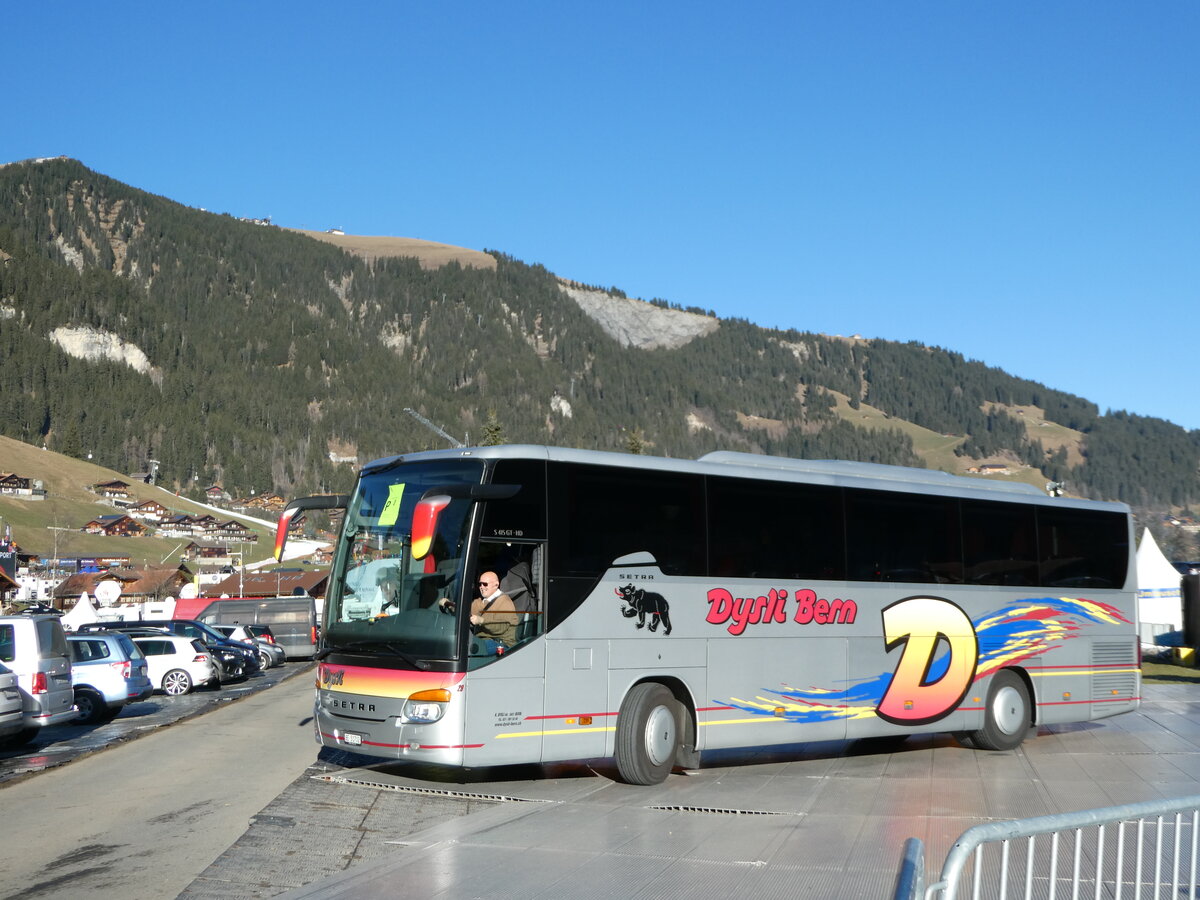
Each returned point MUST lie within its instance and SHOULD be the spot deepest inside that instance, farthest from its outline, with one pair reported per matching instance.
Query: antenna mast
(454, 442)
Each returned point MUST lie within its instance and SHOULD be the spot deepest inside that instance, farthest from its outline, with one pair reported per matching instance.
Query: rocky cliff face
(92, 344)
(636, 323)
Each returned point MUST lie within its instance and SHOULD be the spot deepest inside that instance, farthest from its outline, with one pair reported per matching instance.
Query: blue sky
(1019, 182)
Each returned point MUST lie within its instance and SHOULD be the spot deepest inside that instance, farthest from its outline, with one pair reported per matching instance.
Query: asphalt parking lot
(60, 744)
(823, 821)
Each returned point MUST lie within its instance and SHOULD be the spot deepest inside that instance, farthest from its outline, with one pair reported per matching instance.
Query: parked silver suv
(10, 704)
(35, 648)
(107, 672)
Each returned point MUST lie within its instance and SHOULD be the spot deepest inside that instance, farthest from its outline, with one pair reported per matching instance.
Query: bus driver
(493, 615)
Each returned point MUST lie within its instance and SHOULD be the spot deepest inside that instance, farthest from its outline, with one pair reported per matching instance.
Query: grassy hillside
(52, 526)
(430, 254)
(936, 449)
(1051, 434)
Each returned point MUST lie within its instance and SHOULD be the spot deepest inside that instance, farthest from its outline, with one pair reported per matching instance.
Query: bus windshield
(383, 593)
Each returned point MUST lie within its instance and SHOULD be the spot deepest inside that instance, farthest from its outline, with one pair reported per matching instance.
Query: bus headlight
(424, 707)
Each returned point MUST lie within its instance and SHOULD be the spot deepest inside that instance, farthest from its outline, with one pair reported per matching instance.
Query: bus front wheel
(648, 733)
(1007, 714)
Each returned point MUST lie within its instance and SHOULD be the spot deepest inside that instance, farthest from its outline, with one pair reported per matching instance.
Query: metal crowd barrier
(1140, 851)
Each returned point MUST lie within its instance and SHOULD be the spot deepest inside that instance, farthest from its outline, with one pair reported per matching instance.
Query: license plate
(352, 739)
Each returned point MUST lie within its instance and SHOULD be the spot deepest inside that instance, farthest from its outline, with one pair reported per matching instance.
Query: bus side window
(598, 514)
(894, 536)
(999, 543)
(775, 530)
(1082, 548)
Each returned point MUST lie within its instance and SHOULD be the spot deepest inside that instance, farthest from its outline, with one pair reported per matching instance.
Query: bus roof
(877, 476)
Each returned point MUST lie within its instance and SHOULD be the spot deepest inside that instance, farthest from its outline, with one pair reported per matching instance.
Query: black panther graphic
(636, 602)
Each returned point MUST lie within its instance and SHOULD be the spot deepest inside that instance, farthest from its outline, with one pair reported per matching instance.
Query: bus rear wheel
(1007, 714)
(648, 730)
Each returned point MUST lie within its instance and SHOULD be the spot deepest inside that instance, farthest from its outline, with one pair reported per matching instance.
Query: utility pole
(434, 428)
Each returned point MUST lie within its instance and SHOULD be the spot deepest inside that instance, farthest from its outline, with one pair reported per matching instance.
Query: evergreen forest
(271, 358)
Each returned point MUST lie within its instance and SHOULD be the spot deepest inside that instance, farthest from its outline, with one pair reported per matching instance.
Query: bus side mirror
(434, 500)
(321, 501)
(424, 523)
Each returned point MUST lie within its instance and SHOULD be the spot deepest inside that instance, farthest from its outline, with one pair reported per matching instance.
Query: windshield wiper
(390, 646)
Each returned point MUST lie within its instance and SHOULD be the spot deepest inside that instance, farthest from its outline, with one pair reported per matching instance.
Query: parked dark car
(292, 619)
(269, 653)
(236, 659)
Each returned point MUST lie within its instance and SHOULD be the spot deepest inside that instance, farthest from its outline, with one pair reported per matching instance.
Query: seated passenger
(387, 592)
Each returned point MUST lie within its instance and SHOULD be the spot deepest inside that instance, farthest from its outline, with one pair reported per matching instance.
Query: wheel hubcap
(660, 735)
(1008, 710)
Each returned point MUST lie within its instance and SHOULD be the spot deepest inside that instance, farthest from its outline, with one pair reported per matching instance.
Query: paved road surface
(812, 822)
(144, 818)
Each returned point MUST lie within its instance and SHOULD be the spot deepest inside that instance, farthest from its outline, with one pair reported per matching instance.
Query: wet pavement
(60, 744)
(825, 820)
(822, 821)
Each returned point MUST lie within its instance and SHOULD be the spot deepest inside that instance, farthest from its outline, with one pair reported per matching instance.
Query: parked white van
(35, 649)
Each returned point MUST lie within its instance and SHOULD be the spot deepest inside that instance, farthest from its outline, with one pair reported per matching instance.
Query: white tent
(1160, 603)
(80, 614)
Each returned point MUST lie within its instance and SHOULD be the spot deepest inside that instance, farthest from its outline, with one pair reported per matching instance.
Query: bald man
(493, 615)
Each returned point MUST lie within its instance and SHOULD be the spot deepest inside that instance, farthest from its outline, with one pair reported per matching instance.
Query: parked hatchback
(35, 649)
(177, 664)
(235, 659)
(107, 672)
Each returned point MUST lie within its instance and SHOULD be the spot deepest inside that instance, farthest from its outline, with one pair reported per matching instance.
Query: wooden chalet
(179, 526)
(113, 490)
(138, 585)
(234, 532)
(281, 583)
(208, 553)
(267, 502)
(116, 525)
(7, 586)
(11, 483)
(73, 585)
(149, 511)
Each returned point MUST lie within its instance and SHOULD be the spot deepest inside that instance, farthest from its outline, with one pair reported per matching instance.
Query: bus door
(579, 712)
(504, 700)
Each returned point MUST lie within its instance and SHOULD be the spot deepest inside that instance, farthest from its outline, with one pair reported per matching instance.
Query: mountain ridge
(275, 355)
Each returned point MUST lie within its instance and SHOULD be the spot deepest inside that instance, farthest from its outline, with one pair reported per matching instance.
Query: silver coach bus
(654, 609)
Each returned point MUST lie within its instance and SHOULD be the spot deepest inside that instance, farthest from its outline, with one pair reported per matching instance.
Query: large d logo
(938, 664)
